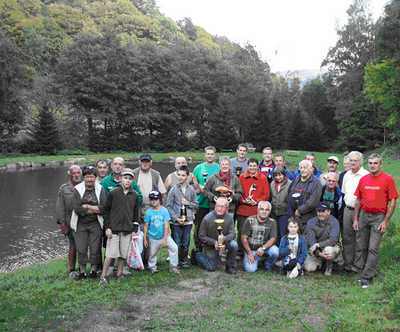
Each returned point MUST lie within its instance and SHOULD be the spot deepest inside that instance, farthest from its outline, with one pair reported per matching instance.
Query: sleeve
(246, 230)
(77, 204)
(274, 230)
(193, 204)
(358, 192)
(302, 251)
(147, 217)
(170, 205)
(231, 232)
(312, 202)
(266, 191)
(208, 188)
(60, 207)
(136, 210)
(392, 190)
(238, 190)
(107, 210)
(283, 247)
(310, 233)
(203, 233)
(136, 188)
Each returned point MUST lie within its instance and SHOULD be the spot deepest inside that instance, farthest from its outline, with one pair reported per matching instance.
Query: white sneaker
(328, 271)
(125, 271)
(278, 263)
(74, 275)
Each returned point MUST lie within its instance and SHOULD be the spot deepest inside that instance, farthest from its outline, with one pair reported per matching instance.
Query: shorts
(118, 245)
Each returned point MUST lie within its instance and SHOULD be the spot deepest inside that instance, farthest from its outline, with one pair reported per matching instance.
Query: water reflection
(28, 229)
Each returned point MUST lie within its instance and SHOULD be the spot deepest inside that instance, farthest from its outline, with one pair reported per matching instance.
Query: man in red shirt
(374, 192)
(255, 189)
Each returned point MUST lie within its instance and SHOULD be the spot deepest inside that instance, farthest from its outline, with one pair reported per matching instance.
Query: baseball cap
(323, 206)
(334, 158)
(127, 171)
(145, 157)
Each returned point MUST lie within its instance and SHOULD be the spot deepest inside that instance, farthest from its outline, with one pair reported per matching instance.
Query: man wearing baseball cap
(322, 240)
(333, 163)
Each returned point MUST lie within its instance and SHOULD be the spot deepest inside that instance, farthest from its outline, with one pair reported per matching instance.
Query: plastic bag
(134, 259)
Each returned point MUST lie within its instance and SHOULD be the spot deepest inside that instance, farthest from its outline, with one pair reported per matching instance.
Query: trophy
(238, 170)
(253, 187)
(205, 174)
(219, 223)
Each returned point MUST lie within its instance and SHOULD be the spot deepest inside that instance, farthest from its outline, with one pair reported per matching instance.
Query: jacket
(308, 200)
(109, 183)
(337, 202)
(173, 204)
(215, 181)
(301, 250)
(326, 235)
(261, 193)
(64, 204)
(279, 200)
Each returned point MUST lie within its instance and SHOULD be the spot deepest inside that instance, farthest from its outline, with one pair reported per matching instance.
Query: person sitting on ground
(87, 221)
(121, 221)
(182, 196)
(293, 249)
(259, 238)
(213, 243)
(323, 240)
(156, 234)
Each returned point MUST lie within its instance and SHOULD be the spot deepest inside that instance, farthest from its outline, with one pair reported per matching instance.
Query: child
(121, 211)
(293, 248)
(182, 197)
(156, 235)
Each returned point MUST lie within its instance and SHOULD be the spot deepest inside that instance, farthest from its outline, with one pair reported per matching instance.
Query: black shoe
(193, 260)
(82, 276)
(230, 270)
(92, 275)
(185, 266)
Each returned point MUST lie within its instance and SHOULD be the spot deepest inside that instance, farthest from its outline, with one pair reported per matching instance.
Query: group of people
(292, 220)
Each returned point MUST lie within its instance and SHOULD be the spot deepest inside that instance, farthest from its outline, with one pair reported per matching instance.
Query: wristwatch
(263, 248)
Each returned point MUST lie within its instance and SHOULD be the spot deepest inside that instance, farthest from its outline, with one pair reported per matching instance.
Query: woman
(279, 199)
(223, 178)
(87, 221)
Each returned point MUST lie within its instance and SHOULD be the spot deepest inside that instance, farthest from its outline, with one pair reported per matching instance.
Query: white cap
(334, 158)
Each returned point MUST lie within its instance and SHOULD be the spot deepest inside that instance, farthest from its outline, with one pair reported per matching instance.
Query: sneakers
(82, 276)
(185, 266)
(278, 263)
(74, 275)
(230, 270)
(120, 277)
(103, 281)
(193, 259)
(328, 271)
(174, 269)
(365, 284)
(153, 270)
(360, 280)
(125, 271)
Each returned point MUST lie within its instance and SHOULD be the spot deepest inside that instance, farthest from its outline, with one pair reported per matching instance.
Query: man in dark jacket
(333, 196)
(304, 195)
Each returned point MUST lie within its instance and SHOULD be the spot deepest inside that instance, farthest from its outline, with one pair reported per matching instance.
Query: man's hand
(164, 243)
(312, 249)
(298, 266)
(145, 244)
(383, 227)
(184, 201)
(179, 220)
(64, 229)
(134, 234)
(217, 247)
(326, 256)
(221, 238)
(108, 233)
(355, 225)
(250, 258)
(260, 252)
(297, 213)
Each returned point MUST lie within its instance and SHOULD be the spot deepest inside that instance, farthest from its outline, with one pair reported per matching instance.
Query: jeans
(351, 243)
(371, 239)
(154, 247)
(208, 259)
(240, 223)
(271, 254)
(181, 236)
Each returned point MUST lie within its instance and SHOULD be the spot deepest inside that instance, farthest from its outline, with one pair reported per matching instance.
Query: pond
(28, 229)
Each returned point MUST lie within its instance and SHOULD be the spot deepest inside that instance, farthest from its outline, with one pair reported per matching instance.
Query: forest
(108, 75)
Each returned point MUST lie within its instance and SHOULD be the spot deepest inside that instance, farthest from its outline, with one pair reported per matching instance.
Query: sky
(288, 34)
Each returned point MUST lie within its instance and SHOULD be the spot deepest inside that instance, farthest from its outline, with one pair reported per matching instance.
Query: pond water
(28, 229)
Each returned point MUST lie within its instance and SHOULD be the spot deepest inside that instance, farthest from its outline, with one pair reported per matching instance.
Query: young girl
(293, 248)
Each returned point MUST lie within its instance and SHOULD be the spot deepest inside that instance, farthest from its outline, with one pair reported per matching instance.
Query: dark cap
(127, 171)
(145, 157)
(323, 206)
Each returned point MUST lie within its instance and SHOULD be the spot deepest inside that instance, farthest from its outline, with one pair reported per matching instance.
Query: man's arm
(167, 182)
(383, 226)
(356, 212)
(246, 246)
(166, 229)
(145, 229)
(311, 203)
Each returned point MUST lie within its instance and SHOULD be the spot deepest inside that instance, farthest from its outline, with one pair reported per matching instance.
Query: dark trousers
(200, 214)
(88, 236)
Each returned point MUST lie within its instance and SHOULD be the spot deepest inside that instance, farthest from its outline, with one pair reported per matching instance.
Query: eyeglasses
(330, 180)
(264, 210)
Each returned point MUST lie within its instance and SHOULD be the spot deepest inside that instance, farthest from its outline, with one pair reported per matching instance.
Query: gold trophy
(219, 223)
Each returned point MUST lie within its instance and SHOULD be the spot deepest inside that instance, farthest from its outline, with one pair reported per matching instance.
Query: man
(202, 173)
(148, 180)
(64, 212)
(213, 242)
(255, 189)
(172, 178)
(266, 166)
(315, 171)
(350, 238)
(102, 169)
(280, 161)
(259, 237)
(112, 180)
(323, 240)
(346, 166)
(332, 195)
(240, 160)
(333, 163)
(308, 190)
(371, 216)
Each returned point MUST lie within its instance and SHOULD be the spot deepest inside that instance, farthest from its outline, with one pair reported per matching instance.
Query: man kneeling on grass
(121, 212)
(213, 242)
(156, 235)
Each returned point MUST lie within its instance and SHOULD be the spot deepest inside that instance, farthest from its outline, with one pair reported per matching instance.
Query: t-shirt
(329, 198)
(156, 221)
(235, 162)
(259, 233)
(375, 192)
(89, 197)
(198, 173)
